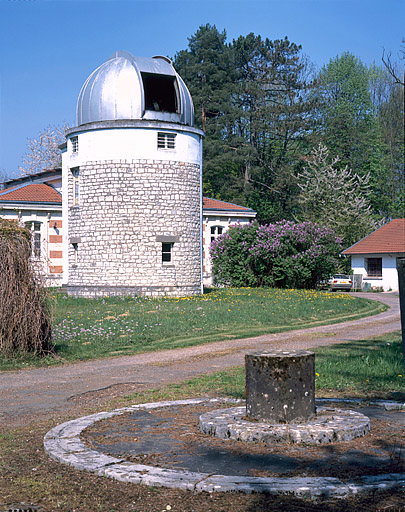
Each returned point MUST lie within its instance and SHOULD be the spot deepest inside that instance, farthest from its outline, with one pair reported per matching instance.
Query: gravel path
(27, 394)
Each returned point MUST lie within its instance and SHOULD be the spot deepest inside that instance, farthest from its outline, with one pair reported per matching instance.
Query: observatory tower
(132, 183)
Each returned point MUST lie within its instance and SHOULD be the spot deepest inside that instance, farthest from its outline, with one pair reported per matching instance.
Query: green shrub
(284, 254)
(25, 324)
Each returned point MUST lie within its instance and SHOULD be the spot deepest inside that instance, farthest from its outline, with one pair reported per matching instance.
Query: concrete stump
(280, 386)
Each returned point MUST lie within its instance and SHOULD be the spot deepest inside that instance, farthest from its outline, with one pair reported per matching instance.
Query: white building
(132, 172)
(217, 217)
(374, 258)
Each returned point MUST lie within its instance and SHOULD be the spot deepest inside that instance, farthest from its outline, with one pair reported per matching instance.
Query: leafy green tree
(360, 117)
(388, 93)
(262, 113)
(335, 197)
(346, 109)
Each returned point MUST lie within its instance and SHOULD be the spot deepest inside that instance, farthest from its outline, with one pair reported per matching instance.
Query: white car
(340, 282)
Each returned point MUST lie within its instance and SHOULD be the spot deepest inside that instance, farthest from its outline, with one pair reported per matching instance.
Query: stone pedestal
(280, 386)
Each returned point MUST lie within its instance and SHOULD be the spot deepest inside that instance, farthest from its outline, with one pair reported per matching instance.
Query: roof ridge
(389, 238)
(227, 202)
(31, 192)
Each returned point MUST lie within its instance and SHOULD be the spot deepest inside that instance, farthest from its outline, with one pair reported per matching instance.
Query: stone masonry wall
(123, 207)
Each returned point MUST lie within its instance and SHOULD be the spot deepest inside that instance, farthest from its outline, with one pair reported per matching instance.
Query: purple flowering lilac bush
(283, 255)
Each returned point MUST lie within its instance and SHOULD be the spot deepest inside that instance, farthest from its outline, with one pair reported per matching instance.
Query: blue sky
(49, 47)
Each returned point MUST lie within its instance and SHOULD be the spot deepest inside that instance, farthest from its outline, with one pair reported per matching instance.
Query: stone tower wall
(126, 210)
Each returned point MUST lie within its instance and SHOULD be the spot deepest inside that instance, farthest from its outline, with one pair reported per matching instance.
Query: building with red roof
(217, 217)
(31, 193)
(374, 258)
(36, 202)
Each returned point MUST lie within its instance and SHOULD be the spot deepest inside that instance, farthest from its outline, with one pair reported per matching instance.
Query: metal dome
(133, 88)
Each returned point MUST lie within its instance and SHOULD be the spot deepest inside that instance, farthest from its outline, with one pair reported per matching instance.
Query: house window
(166, 140)
(167, 248)
(374, 267)
(75, 144)
(35, 228)
(215, 232)
(76, 185)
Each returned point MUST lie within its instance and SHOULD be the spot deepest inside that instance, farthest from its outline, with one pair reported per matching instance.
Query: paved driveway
(27, 394)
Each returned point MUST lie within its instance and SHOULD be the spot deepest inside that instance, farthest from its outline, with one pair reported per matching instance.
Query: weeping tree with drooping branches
(25, 316)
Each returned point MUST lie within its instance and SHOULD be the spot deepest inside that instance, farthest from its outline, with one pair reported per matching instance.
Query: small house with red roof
(374, 258)
(36, 202)
(217, 217)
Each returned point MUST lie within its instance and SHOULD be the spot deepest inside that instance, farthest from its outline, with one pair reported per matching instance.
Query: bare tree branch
(43, 152)
(392, 70)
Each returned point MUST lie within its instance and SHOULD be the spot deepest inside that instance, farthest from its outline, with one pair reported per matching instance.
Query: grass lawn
(88, 329)
(364, 369)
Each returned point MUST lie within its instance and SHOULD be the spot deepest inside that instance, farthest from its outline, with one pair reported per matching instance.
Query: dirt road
(27, 394)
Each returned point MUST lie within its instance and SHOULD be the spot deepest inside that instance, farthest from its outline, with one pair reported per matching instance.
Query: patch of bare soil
(28, 476)
(169, 437)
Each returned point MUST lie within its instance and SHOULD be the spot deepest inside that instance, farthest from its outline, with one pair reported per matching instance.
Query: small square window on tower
(166, 140)
(75, 144)
(167, 249)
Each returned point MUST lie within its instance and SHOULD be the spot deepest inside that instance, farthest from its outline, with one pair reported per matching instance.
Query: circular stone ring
(63, 444)
(328, 426)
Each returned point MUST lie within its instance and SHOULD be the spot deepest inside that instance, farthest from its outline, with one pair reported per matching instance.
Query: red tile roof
(388, 239)
(214, 204)
(34, 193)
